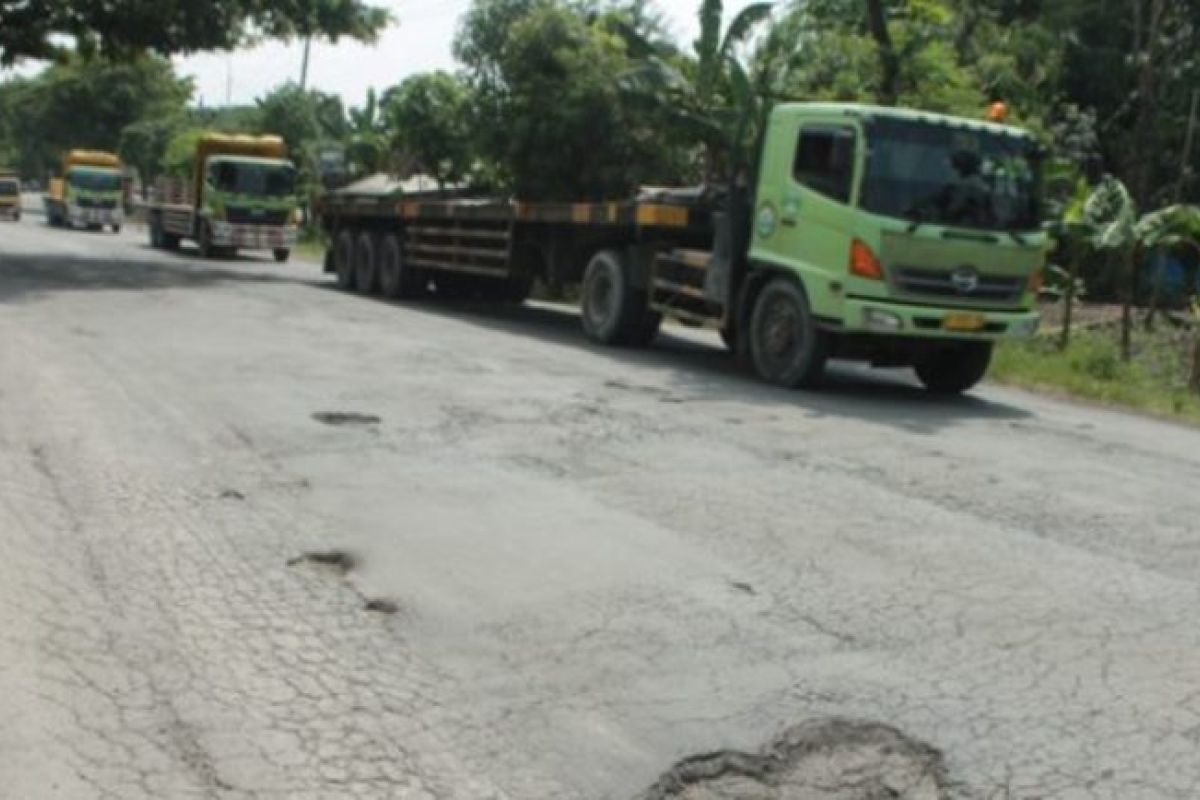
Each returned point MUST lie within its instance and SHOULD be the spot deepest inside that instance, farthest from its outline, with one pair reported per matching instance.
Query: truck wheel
(282, 254)
(786, 346)
(169, 240)
(116, 228)
(396, 279)
(955, 369)
(156, 233)
(343, 260)
(615, 313)
(366, 264)
(204, 241)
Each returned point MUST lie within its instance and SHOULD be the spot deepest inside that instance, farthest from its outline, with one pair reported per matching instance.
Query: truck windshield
(258, 180)
(946, 175)
(8, 188)
(95, 180)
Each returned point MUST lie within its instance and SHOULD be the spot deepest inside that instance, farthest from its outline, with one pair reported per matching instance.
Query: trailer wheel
(955, 369)
(615, 313)
(396, 279)
(366, 264)
(343, 260)
(787, 347)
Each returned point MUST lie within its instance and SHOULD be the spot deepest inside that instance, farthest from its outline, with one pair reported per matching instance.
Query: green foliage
(549, 119)
(129, 27)
(1091, 368)
(427, 120)
(86, 103)
(179, 157)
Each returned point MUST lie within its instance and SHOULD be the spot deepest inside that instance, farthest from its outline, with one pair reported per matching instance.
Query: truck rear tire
(366, 264)
(156, 233)
(343, 260)
(397, 280)
(282, 254)
(956, 368)
(786, 346)
(615, 313)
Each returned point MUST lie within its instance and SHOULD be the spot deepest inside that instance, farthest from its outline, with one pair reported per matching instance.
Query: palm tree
(712, 97)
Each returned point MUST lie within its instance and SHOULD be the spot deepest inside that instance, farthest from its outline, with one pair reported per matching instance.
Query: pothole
(338, 561)
(381, 606)
(833, 759)
(340, 419)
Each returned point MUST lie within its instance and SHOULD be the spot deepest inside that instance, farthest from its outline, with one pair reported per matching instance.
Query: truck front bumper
(254, 237)
(881, 317)
(78, 215)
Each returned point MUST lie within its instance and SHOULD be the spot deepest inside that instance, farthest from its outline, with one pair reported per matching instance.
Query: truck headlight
(884, 321)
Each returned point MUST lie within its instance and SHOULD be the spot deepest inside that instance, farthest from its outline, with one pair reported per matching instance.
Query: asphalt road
(260, 539)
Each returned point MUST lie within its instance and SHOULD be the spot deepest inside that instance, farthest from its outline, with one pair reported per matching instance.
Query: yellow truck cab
(10, 195)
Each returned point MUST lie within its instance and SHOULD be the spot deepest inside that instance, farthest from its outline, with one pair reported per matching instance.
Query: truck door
(806, 218)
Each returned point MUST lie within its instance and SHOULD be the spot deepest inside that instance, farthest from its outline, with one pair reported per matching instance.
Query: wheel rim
(779, 335)
(601, 297)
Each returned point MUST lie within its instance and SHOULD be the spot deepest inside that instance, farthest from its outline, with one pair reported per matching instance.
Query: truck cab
(90, 192)
(909, 238)
(242, 196)
(10, 195)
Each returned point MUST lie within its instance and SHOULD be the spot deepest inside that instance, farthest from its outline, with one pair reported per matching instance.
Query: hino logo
(965, 279)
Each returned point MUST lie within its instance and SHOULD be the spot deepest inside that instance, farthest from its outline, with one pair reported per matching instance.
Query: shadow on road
(25, 276)
(701, 371)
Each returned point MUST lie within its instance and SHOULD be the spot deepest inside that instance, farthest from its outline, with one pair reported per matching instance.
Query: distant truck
(10, 195)
(241, 196)
(89, 193)
(885, 235)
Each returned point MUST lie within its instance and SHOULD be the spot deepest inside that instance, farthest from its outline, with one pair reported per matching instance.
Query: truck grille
(239, 215)
(88, 202)
(950, 285)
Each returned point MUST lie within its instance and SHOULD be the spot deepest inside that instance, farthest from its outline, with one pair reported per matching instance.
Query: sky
(421, 42)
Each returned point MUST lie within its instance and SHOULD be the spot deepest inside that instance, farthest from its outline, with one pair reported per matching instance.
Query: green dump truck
(895, 237)
(241, 196)
(90, 192)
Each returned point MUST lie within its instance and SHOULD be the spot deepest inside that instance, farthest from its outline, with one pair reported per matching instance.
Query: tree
(549, 120)
(426, 116)
(144, 144)
(34, 28)
(368, 147)
(88, 103)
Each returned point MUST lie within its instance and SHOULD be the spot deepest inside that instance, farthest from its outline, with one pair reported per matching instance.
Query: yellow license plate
(965, 322)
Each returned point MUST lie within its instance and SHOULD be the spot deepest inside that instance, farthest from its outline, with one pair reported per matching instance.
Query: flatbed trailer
(495, 249)
(807, 263)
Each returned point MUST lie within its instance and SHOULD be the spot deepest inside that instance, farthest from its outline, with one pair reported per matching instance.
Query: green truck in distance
(241, 196)
(90, 193)
(891, 236)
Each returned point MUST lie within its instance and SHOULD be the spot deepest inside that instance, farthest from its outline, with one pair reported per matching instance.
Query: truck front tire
(955, 369)
(786, 346)
(282, 254)
(614, 312)
(343, 260)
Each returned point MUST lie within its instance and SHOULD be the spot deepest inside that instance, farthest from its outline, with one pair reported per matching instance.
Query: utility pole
(304, 64)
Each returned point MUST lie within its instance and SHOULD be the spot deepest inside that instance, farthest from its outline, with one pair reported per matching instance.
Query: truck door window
(825, 160)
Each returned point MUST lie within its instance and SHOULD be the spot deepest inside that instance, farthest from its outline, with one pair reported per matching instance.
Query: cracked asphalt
(260, 539)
